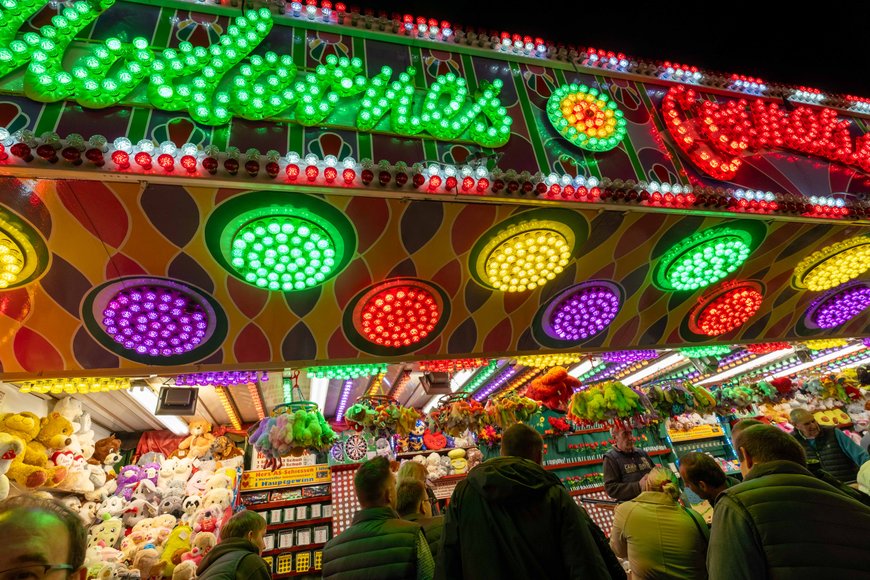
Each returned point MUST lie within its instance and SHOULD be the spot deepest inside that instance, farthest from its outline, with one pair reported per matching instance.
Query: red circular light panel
(766, 347)
(728, 310)
(399, 316)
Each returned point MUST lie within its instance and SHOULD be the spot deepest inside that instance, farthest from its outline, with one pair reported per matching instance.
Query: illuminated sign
(715, 135)
(216, 83)
(286, 477)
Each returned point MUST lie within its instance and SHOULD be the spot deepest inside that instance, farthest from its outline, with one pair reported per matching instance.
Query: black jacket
(233, 559)
(623, 472)
(510, 518)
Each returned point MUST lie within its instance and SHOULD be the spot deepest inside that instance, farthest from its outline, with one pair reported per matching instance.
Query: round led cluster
(825, 343)
(841, 306)
(834, 265)
(545, 361)
(223, 379)
(11, 260)
(628, 356)
(73, 386)
(155, 321)
(399, 316)
(704, 258)
(283, 253)
(766, 347)
(347, 371)
(584, 313)
(526, 257)
(586, 117)
(451, 365)
(705, 350)
(728, 311)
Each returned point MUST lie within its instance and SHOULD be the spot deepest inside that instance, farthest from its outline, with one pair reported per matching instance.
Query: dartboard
(337, 452)
(355, 447)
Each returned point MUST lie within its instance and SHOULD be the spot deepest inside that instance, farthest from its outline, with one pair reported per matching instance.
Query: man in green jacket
(510, 518)
(378, 545)
(835, 452)
(782, 522)
(237, 556)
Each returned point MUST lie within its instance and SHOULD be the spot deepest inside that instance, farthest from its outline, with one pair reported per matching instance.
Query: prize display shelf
(598, 461)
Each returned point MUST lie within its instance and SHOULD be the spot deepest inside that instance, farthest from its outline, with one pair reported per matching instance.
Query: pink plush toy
(203, 542)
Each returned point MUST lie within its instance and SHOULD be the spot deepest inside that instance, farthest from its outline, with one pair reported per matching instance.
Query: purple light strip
(739, 356)
(609, 372)
(623, 356)
(342, 401)
(222, 379)
(496, 384)
(867, 342)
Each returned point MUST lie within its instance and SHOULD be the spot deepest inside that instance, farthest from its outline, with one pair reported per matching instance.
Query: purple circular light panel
(628, 356)
(155, 320)
(840, 306)
(583, 313)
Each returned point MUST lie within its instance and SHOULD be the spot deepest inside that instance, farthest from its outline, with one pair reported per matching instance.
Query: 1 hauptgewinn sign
(198, 80)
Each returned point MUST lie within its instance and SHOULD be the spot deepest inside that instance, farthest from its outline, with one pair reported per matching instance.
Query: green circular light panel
(703, 259)
(283, 253)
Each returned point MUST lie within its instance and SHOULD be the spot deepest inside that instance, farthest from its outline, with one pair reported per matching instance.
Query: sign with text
(286, 477)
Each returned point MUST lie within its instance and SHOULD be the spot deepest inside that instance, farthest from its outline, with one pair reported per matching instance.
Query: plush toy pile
(605, 401)
(457, 416)
(554, 389)
(510, 409)
(675, 398)
(292, 433)
(382, 416)
(454, 462)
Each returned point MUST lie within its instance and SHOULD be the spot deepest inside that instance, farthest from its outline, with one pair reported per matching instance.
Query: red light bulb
(188, 162)
(311, 173)
(330, 174)
(121, 159)
(292, 172)
(143, 160)
(166, 161)
(348, 175)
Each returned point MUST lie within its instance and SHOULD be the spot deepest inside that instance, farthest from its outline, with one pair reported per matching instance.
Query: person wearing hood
(237, 555)
(510, 518)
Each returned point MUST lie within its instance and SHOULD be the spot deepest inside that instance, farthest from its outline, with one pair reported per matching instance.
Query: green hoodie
(233, 559)
(510, 518)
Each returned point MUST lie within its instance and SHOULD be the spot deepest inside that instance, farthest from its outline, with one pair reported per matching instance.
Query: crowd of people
(792, 517)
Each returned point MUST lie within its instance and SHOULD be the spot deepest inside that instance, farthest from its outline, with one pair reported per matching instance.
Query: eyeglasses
(33, 572)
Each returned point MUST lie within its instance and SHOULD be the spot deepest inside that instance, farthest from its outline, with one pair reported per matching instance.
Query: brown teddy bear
(223, 448)
(198, 442)
(31, 468)
(106, 454)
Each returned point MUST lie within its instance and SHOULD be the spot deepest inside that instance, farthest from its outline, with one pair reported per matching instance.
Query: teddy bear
(190, 506)
(163, 525)
(78, 476)
(218, 497)
(218, 481)
(147, 562)
(11, 448)
(177, 544)
(223, 449)
(106, 454)
(198, 442)
(206, 519)
(198, 482)
(127, 480)
(434, 467)
(184, 571)
(31, 469)
(202, 545)
(474, 456)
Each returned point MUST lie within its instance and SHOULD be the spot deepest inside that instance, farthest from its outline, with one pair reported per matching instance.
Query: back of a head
(15, 510)
(410, 493)
(241, 523)
(371, 481)
(799, 416)
(659, 479)
(520, 440)
(765, 443)
(744, 424)
(412, 470)
(701, 467)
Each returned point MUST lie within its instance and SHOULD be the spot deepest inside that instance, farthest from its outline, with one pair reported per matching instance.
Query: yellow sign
(286, 477)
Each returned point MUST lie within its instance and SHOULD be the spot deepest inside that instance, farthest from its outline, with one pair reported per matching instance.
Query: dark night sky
(820, 47)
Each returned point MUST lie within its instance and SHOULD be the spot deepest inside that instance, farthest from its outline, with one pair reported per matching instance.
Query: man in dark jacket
(378, 545)
(835, 452)
(412, 503)
(782, 522)
(237, 556)
(512, 519)
(625, 468)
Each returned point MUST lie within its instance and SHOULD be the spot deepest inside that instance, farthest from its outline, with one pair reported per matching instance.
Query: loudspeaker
(177, 401)
(436, 383)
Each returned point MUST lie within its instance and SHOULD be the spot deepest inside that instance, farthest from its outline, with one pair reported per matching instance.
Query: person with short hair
(783, 522)
(42, 539)
(660, 538)
(413, 505)
(510, 518)
(704, 476)
(378, 544)
(237, 555)
(625, 466)
(828, 446)
(418, 471)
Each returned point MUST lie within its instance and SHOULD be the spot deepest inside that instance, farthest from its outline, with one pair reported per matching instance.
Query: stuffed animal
(198, 483)
(72, 502)
(151, 471)
(105, 534)
(171, 505)
(202, 545)
(11, 448)
(147, 561)
(136, 511)
(218, 497)
(206, 519)
(415, 438)
(70, 409)
(382, 448)
(127, 480)
(218, 481)
(106, 454)
(163, 525)
(198, 442)
(190, 506)
(88, 512)
(148, 491)
(474, 456)
(554, 389)
(184, 571)
(177, 544)
(223, 449)
(112, 506)
(434, 467)
(458, 461)
(78, 477)
(31, 469)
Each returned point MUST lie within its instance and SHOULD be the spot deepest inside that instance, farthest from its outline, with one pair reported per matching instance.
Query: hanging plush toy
(415, 438)
(554, 389)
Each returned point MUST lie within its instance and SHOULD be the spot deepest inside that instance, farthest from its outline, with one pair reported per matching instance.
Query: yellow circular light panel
(12, 260)
(75, 385)
(834, 265)
(545, 361)
(527, 255)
